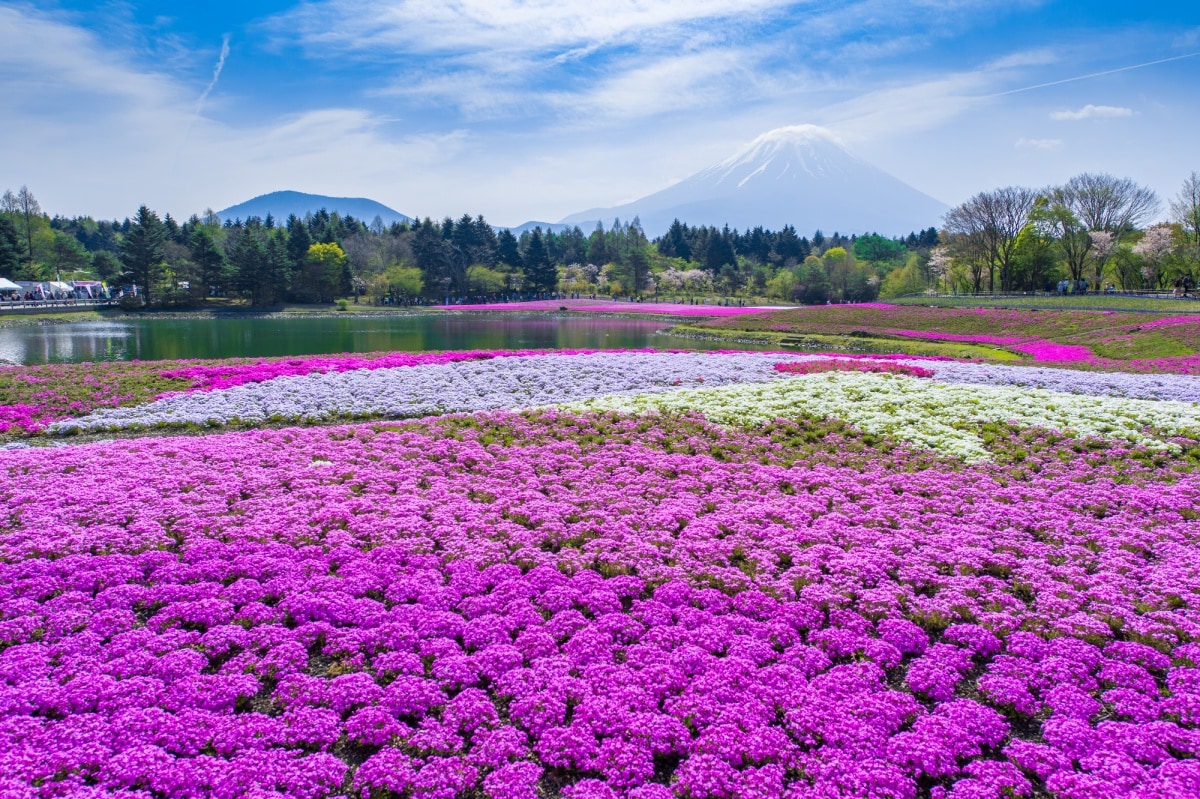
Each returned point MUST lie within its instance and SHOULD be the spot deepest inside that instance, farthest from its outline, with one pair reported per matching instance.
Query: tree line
(326, 256)
(1093, 231)
(1094, 227)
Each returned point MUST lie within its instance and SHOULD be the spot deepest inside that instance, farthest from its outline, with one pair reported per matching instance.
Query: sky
(535, 109)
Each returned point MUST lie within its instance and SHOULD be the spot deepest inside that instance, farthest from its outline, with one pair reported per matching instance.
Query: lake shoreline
(301, 312)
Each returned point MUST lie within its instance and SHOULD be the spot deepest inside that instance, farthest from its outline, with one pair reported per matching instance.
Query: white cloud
(501, 26)
(904, 108)
(1027, 58)
(100, 136)
(1090, 111)
(1038, 144)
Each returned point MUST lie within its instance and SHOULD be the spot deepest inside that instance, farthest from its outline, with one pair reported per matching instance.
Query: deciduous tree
(997, 219)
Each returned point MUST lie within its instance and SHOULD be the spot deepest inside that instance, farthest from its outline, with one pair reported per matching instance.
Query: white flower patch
(919, 411)
(462, 387)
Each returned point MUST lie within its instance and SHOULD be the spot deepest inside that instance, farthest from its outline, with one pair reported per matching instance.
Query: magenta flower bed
(1173, 321)
(504, 606)
(1052, 351)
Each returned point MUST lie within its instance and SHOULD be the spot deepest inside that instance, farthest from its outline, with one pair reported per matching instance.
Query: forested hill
(282, 204)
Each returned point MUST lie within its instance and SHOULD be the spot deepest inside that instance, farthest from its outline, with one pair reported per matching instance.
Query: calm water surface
(158, 339)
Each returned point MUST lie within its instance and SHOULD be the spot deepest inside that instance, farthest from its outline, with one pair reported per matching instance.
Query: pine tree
(10, 248)
(540, 274)
(249, 260)
(142, 251)
(209, 260)
(298, 241)
(507, 252)
(277, 274)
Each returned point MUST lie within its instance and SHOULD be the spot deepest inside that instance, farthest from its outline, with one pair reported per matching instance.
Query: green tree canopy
(142, 251)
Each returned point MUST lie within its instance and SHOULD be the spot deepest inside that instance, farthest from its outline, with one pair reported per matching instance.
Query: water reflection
(160, 339)
(86, 341)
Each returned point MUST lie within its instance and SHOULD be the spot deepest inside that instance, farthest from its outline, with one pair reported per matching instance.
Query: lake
(161, 339)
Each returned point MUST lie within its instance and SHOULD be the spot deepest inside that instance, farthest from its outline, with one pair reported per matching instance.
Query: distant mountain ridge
(800, 176)
(282, 204)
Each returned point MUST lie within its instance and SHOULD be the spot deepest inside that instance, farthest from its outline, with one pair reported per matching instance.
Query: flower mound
(432, 386)
(597, 606)
(852, 365)
(942, 417)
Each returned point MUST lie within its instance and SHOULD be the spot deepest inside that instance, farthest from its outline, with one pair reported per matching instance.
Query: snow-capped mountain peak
(800, 175)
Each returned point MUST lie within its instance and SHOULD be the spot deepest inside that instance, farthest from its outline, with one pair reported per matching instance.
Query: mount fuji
(800, 176)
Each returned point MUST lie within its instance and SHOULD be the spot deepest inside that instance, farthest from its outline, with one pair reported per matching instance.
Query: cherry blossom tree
(1154, 247)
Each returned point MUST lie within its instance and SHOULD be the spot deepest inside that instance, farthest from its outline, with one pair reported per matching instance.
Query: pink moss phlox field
(1055, 352)
(965, 338)
(551, 605)
(36, 396)
(851, 365)
(601, 306)
(1171, 321)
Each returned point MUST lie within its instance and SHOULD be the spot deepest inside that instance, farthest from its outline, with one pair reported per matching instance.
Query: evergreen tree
(507, 252)
(106, 265)
(540, 274)
(277, 274)
(249, 261)
(432, 254)
(675, 243)
(298, 242)
(790, 248)
(598, 252)
(719, 252)
(572, 245)
(10, 248)
(143, 253)
(210, 262)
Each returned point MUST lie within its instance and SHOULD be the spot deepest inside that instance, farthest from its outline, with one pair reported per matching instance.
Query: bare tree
(28, 208)
(996, 218)
(968, 252)
(1185, 209)
(1090, 213)
(1103, 202)
(24, 206)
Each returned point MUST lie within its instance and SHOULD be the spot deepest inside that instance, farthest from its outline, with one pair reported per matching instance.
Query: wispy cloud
(618, 60)
(1038, 144)
(502, 26)
(1090, 111)
(216, 71)
(66, 80)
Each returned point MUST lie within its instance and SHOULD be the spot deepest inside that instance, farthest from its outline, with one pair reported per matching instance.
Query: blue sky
(536, 109)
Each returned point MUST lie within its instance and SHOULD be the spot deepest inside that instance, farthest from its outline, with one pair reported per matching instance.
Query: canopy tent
(63, 287)
(8, 285)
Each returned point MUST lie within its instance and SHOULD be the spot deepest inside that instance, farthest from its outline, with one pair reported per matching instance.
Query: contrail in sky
(216, 72)
(1094, 75)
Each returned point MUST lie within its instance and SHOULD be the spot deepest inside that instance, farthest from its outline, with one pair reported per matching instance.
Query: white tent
(8, 285)
(63, 287)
